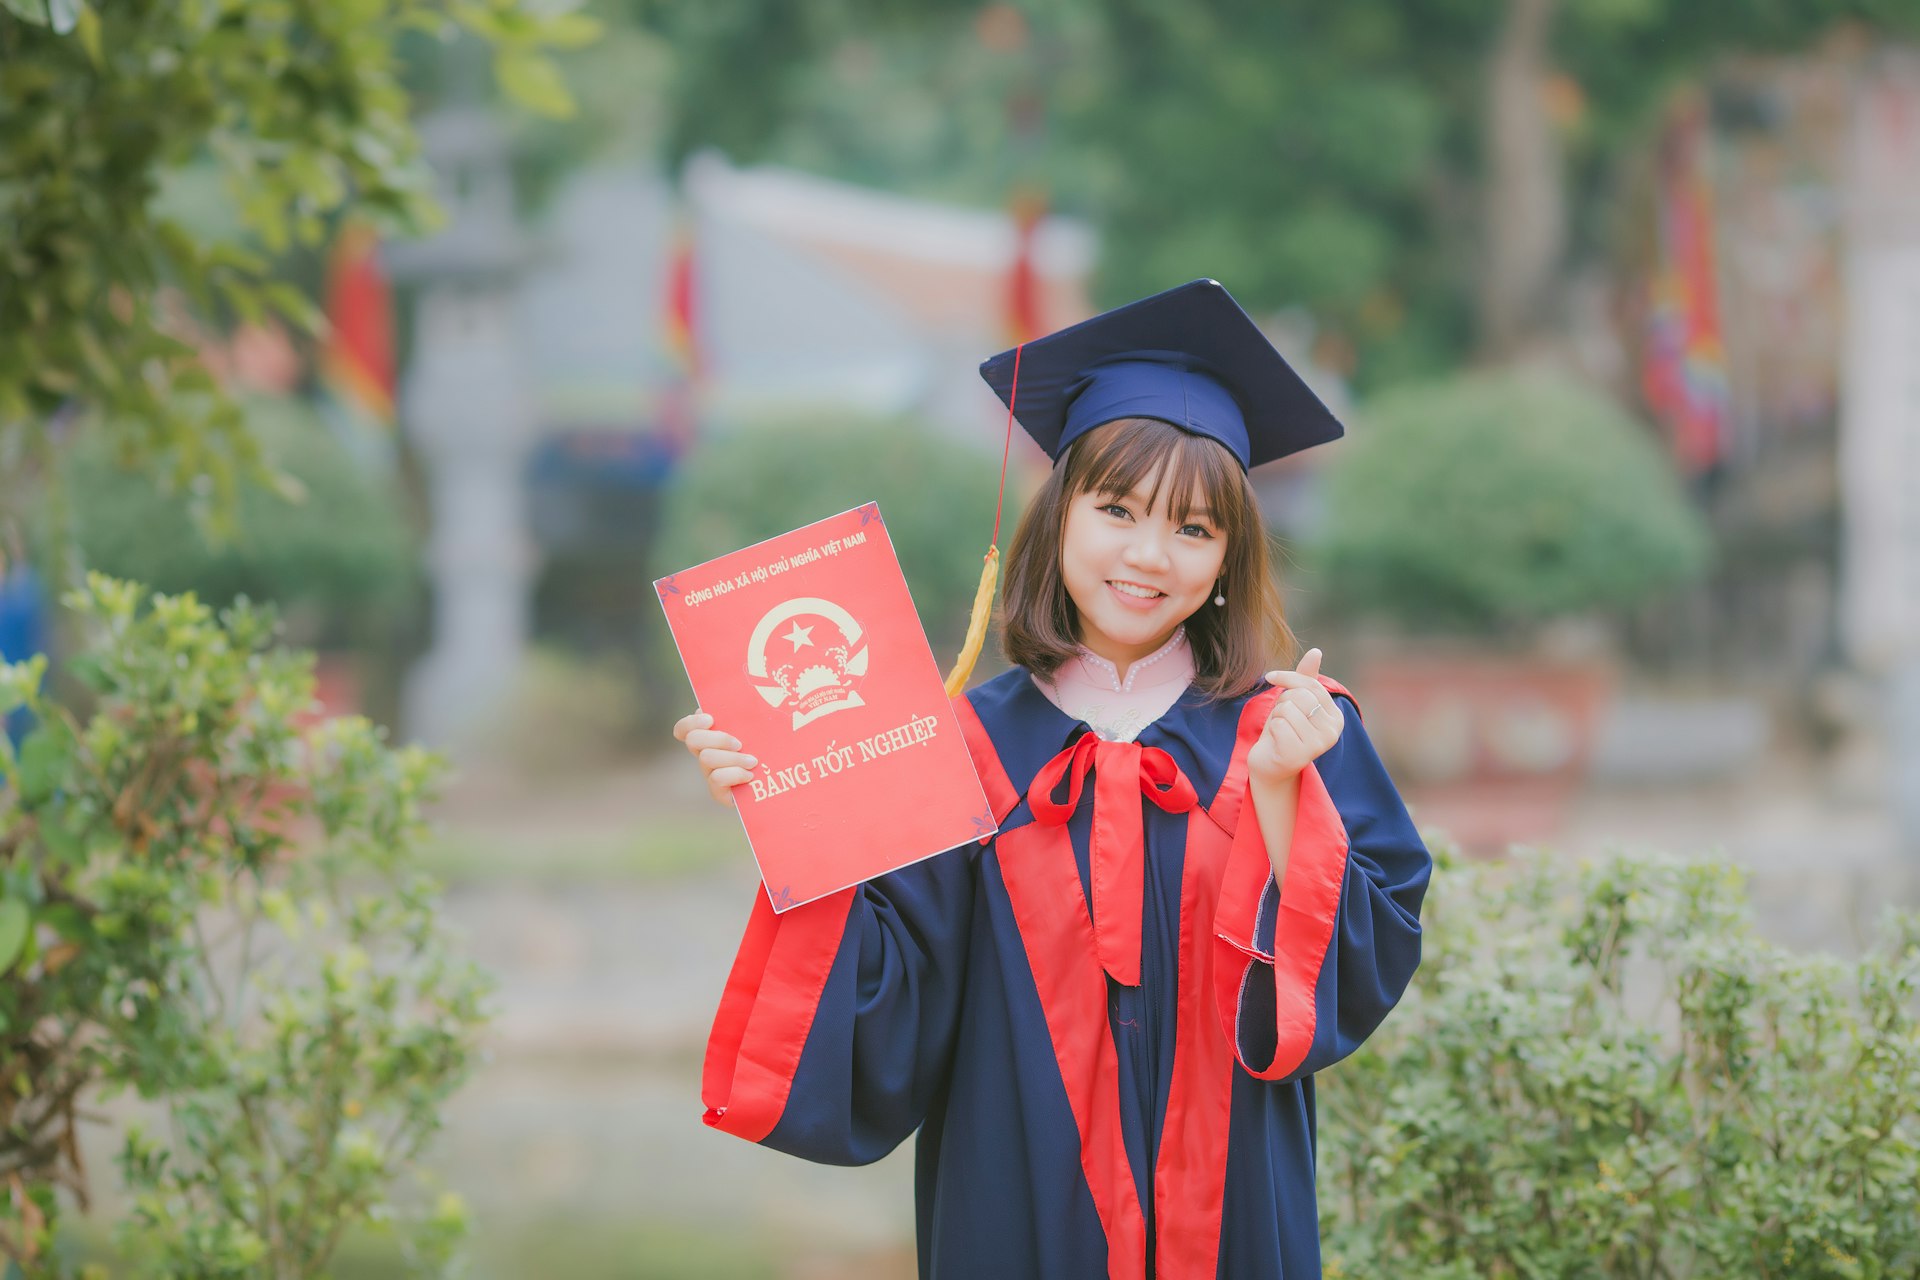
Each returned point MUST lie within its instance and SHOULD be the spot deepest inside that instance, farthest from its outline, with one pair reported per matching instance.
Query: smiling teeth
(1141, 592)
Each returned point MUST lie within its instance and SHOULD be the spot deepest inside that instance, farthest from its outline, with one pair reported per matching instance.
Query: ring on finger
(1316, 710)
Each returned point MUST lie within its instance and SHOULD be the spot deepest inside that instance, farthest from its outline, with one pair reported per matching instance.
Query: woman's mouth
(1134, 595)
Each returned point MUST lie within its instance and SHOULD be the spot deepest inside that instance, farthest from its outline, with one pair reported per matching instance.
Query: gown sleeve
(1306, 970)
(837, 1022)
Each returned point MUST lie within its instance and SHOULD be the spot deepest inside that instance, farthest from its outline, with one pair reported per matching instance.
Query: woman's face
(1133, 572)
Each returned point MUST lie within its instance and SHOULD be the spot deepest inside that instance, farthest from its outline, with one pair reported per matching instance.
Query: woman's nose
(1147, 549)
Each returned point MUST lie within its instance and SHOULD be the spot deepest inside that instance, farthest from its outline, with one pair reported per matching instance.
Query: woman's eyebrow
(1140, 498)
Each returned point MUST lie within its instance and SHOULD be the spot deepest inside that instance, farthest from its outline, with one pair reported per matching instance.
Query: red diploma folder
(806, 647)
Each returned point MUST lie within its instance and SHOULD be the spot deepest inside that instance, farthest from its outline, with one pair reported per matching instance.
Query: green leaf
(290, 302)
(534, 82)
(569, 31)
(34, 11)
(43, 761)
(88, 29)
(67, 920)
(61, 15)
(14, 923)
(86, 668)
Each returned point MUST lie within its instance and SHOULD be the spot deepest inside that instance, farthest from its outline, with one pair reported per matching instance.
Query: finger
(1320, 731)
(1293, 680)
(1284, 738)
(716, 758)
(1307, 699)
(700, 739)
(721, 783)
(1278, 720)
(1310, 663)
(688, 723)
(1296, 719)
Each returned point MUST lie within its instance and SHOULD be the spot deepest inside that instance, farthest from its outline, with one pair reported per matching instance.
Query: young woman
(1104, 1020)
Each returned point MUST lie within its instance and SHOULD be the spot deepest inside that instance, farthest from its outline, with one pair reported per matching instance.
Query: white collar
(1108, 674)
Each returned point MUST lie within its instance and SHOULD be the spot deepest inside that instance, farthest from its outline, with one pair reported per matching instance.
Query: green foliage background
(1497, 499)
(213, 900)
(339, 545)
(301, 109)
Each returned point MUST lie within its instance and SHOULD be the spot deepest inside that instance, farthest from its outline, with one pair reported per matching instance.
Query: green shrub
(213, 900)
(1604, 1072)
(936, 495)
(344, 548)
(1496, 499)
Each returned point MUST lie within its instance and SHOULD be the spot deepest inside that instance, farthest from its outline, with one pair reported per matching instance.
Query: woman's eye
(1115, 509)
(1196, 530)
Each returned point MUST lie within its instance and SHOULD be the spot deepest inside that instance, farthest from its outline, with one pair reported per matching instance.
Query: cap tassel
(990, 572)
(976, 625)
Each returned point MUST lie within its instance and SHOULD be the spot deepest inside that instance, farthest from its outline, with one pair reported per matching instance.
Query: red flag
(357, 361)
(1023, 282)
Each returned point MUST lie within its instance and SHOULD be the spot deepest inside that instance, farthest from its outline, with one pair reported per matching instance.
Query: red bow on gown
(1122, 773)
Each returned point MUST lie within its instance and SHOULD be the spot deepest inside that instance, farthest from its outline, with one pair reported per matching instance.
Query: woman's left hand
(1302, 725)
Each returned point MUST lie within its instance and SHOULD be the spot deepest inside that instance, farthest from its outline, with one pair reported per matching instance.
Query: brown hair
(1233, 646)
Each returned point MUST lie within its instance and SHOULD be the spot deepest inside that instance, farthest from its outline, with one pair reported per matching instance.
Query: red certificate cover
(806, 647)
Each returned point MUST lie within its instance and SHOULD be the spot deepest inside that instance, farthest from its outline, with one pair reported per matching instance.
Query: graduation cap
(1189, 356)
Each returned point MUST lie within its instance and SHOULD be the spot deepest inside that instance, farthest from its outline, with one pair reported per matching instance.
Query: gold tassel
(976, 625)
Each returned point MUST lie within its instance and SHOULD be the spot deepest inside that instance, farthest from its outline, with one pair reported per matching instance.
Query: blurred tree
(299, 104)
(1416, 176)
(1489, 502)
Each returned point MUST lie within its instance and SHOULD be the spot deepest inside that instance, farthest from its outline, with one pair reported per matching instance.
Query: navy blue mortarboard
(1189, 356)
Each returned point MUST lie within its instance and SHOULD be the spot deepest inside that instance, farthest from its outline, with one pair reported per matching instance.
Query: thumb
(1309, 663)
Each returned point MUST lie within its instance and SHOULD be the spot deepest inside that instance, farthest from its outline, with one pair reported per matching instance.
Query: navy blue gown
(1103, 1021)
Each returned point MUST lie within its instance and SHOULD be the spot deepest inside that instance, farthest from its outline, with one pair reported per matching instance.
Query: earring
(1218, 598)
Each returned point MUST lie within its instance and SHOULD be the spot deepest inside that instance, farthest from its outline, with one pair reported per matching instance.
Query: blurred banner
(357, 362)
(1683, 372)
(681, 335)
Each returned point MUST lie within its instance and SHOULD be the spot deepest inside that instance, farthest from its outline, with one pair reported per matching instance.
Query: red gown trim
(1043, 887)
(1309, 903)
(1227, 869)
(1191, 1174)
(1043, 884)
(1001, 793)
(767, 1010)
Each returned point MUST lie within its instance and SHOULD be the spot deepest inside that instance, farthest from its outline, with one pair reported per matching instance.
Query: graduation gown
(1103, 1021)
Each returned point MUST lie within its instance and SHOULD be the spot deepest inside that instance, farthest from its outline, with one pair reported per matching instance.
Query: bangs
(1191, 470)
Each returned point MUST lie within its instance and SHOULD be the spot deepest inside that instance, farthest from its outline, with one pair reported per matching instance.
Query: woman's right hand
(719, 754)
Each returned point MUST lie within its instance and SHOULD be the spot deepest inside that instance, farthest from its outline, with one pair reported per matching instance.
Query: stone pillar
(467, 412)
(467, 409)
(1880, 413)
